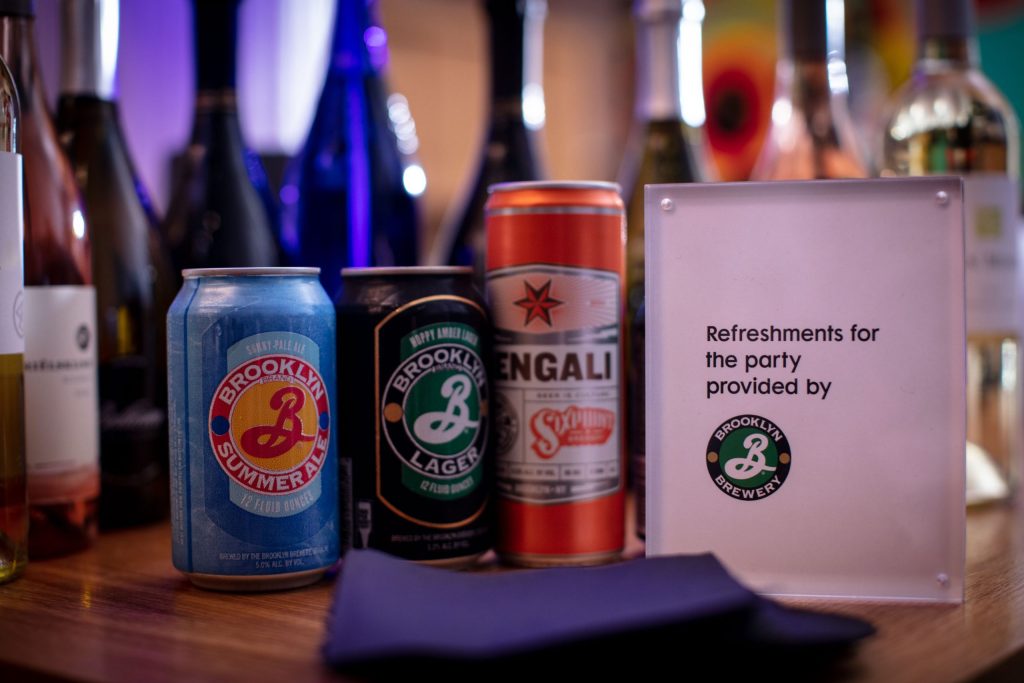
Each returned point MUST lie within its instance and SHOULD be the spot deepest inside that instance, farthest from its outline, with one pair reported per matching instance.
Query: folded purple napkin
(387, 610)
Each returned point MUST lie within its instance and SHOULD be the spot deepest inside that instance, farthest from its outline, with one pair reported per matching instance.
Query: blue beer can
(254, 467)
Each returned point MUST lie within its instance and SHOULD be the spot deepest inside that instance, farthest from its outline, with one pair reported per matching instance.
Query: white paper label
(12, 332)
(990, 253)
(61, 399)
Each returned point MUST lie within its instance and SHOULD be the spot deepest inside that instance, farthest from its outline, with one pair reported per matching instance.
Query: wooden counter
(120, 612)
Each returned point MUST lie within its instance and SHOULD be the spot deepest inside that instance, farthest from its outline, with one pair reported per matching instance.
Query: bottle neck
(657, 68)
(17, 47)
(89, 47)
(360, 44)
(516, 51)
(945, 34)
(216, 35)
(945, 52)
(811, 68)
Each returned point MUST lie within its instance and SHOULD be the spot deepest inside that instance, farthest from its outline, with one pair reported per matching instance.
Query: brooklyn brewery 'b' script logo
(435, 411)
(748, 457)
(269, 424)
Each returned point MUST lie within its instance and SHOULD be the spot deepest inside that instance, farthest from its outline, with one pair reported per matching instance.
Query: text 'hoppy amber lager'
(555, 264)
(254, 473)
(415, 412)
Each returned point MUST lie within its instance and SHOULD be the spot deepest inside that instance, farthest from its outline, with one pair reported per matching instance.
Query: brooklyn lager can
(555, 260)
(415, 412)
(254, 474)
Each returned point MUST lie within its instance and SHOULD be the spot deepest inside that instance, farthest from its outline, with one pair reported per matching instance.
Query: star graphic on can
(538, 303)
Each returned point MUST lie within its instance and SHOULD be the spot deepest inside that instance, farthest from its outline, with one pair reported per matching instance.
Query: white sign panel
(805, 383)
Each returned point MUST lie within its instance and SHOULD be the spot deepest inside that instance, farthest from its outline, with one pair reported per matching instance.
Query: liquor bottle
(510, 149)
(13, 495)
(950, 119)
(216, 216)
(662, 148)
(811, 134)
(61, 401)
(129, 267)
(346, 202)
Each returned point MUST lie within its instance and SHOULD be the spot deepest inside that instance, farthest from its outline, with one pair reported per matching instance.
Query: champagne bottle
(950, 119)
(61, 414)
(13, 494)
(662, 148)
(811, 134)
(130, 270)
(346, 202)
(510, 149)
(216, 217)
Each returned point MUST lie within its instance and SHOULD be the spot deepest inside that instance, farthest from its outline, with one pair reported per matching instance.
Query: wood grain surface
(120, 612)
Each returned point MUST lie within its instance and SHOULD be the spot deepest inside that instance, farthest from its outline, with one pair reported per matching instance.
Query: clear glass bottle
(218, 216)
(949, 119)
(61, 398)
(130, 270)
(13, 493)
(511, 149)
(811, 135)
(349, 197)
(663, 148)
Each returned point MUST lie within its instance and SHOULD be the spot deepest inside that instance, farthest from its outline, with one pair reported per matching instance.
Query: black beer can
(414, 387)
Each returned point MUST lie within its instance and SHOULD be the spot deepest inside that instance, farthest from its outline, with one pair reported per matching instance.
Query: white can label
(12, 329)
(557, 404)
(990, 253)
(61, 399)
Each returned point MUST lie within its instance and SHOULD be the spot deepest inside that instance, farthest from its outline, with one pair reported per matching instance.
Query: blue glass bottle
(345, 200)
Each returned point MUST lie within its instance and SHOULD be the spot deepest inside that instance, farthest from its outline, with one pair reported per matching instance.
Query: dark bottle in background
(511, 149)
(217, 216)
(811, 134)
(662, 148)
(348, 199)
(61, 415)
(130, 271)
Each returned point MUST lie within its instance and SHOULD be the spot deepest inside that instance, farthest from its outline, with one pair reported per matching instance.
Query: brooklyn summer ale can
(555, 260)
(254, 474)
(415, 412)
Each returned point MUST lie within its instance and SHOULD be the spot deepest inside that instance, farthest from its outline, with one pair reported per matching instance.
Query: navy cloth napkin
(387, 610)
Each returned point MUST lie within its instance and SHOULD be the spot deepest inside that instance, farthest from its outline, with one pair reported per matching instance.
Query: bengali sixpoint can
(413, 354)
(555, 288)
(254, 471)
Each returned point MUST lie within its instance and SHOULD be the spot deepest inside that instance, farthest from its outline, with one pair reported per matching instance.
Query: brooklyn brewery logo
(435, 412)
(748, 457)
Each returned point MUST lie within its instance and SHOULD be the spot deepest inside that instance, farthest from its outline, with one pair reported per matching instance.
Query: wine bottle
(346, 201)
(61, 402)
(216, 216)
(811, 134)
(662, 148)
(510, 148)
(129, 267)
(13, 494)
(950, 119)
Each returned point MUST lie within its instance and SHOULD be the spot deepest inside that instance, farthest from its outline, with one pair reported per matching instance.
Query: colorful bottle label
(12, 276)
(990, 254)
(61, 397)
(558, 363)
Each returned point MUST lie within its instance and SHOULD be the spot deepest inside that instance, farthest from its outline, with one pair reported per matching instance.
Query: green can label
(433, 421)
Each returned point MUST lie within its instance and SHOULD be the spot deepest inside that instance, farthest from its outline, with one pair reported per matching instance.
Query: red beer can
(555, 286)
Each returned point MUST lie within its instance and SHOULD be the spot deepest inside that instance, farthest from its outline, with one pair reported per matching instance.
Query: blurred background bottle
(511, 148)
(130, 271)
(350, 196)
(221, 213)
(950, 119)
(811, 134)
(666, 146)
(61, 402)
(13, 494)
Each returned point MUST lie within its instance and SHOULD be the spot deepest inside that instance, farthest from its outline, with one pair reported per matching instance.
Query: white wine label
(12, 329)
(61, 400)
(557, 358)
(990, 253)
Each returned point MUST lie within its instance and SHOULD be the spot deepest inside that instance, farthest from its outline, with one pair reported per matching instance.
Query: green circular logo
(748, 457)
(442, 412)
